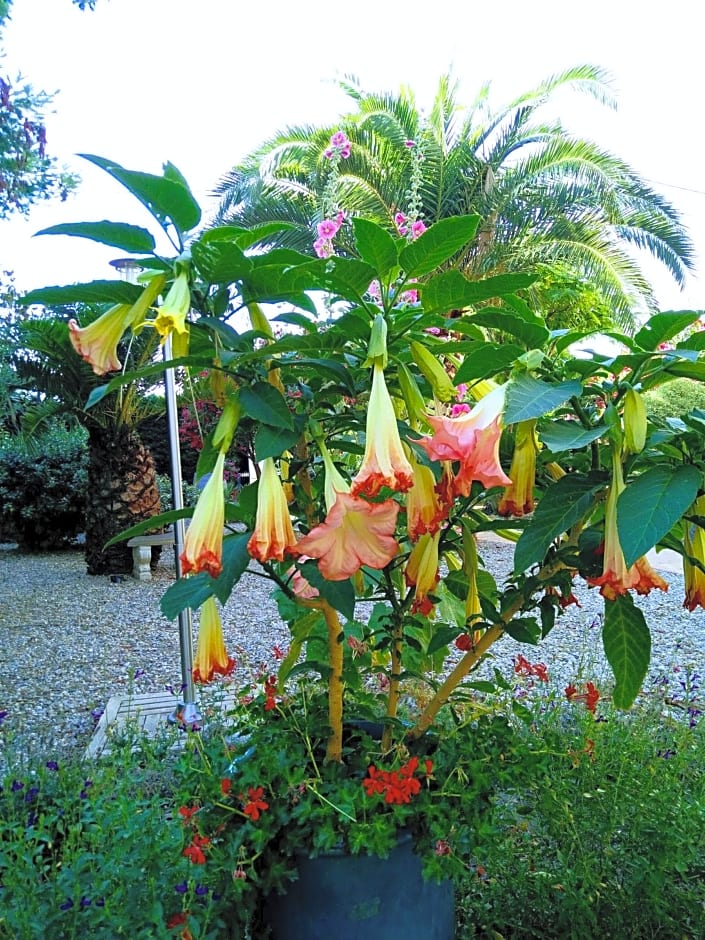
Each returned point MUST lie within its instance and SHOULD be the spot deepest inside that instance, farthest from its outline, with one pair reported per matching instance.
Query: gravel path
(69, 641)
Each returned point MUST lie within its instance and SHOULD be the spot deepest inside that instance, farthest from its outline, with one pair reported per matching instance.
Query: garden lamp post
(186, 713)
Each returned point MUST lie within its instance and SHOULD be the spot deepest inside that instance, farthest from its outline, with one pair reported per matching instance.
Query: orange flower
(274, 534)
(616, 578)
(518, 497)
(472, 439)
(354, 533)
(203, 545)
(211, 655)
(384, 463)
(97, 342)
(422, 571)
(424, 509)
(694, 545)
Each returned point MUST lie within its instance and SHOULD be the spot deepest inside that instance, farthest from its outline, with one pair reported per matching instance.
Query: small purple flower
(52, 765)
(201, 890)
(410, 144)
(139, 673)
(3, 715)
(339, 139)
(31, 794)
(84, 792)
(16, 786)
(100, 902)
(85, 902)
(32, 820)
(181, 887)
(67, 905)
(97, 713)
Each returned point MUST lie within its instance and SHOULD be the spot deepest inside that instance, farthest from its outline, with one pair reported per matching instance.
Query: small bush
(43, 489)
(675, 398)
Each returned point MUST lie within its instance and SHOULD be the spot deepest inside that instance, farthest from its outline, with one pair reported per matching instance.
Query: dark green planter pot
(362, 897)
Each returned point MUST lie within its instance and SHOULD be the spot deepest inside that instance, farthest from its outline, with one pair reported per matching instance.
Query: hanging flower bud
(203, 545)
(694, 545)
(433, 371)
(634, 422)
(422, 572)
(518, 497)
(211, 655)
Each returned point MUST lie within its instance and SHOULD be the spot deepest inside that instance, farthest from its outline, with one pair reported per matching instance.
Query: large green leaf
(487, 359)
(329, 367)
(437, 244)
(559, 436)
(272, 442)
(236, 558)
(265, 403)
(376, 246)
(339, 594)
(346, 276)
(94, 292)
(186, 592)
(118, 234)
(167, 197)
(528, 329)
(664, 326)
(528, 397)
(452, 290)
(220, 262)
(627, 643)
(561, 506)
(651, 505)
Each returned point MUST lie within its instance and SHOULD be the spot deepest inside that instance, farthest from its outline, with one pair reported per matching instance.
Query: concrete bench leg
(141, 562)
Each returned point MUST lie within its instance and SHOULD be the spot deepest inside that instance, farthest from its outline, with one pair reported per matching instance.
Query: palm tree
(545, 197)
(122, 486)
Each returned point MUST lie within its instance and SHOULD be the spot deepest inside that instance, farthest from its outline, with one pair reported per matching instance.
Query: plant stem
(469, 660)
(394, 683)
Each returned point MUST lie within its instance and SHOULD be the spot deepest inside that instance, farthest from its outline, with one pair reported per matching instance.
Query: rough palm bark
(122, 491)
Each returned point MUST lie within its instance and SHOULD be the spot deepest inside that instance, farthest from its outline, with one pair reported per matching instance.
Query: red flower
(187, 812)
(464, 642)
(590, 696)
(442, 847)
(194, 852)
(255, 805)
(225, 785)
(397, 786)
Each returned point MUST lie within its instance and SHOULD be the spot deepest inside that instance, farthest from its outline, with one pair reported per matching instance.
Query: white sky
(200, 82)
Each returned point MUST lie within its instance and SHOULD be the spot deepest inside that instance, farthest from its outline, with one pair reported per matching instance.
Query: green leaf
(452, 290)
(322, 367)
(131, 238)
(154, 522)
(443, 635)
(94, 292)
(530, 330)
(186, 592)
(167, 197)
(664, 326)
(561, 506)
(265, 403)
(528, 397)
(376, 246)
(300, 631)
(627, 643)
(559, 436)
(650, 506)
(438, 243)
(524, 630)
(347, 276)
(236, 558)
(339, 594)
(297, 319)
(487, 359)
(272, 442)
(220, 262)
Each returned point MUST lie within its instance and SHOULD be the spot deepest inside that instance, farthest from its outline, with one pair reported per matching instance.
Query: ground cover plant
(597, 828)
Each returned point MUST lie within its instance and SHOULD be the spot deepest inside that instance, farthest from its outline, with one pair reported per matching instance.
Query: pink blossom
(410, 143)
(417, 228)
(399, 221)
(328, 228)
(339, 139)
(323, 247)
(461, 408)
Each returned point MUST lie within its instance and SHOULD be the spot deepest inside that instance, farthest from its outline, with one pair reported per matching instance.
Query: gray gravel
(68, 642)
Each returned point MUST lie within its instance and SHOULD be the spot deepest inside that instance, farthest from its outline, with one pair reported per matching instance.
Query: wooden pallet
(146, 714)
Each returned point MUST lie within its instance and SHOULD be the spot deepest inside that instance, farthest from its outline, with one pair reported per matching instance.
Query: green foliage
(675, 398)
(603, 839)
(27, 173)
(43, 489)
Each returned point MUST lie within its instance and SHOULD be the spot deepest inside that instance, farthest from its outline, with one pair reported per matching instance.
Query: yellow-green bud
(377, 349)
(411, 393)
(433, 372)
(634, 422)
(227, 425)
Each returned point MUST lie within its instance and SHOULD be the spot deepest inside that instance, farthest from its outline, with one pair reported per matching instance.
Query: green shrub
(42, 489)
(675, 398)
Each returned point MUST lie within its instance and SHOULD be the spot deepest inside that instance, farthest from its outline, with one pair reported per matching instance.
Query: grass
(600, 833)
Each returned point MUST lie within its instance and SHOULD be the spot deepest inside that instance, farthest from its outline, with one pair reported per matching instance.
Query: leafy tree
(544, 195)
(27, 173)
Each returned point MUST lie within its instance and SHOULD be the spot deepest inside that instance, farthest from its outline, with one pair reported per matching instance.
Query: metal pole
(186, 713)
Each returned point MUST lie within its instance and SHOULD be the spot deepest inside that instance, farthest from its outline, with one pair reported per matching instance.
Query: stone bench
(141, 546)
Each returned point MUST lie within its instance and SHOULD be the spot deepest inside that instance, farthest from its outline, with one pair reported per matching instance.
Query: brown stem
(394, 687)
(454, 678)
(334, 747)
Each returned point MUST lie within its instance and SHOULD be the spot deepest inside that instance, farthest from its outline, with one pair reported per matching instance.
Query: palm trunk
(122, 491)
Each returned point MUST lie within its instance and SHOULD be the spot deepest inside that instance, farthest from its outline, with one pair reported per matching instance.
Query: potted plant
(392, 405)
